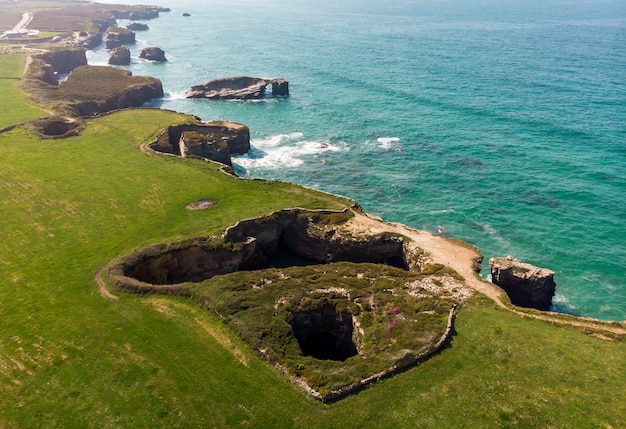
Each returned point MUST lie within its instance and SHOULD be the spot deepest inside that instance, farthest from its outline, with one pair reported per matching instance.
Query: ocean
(498, 122)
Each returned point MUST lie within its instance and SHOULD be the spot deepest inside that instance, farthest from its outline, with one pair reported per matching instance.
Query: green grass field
(71, 358)
(15, 107)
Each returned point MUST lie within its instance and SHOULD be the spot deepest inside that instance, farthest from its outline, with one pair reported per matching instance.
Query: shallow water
(502, 123)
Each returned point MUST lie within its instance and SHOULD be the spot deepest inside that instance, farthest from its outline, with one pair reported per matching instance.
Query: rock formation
(253, 244)
(91, 90)
(44, 68)
(238, 88)
(120, 56)
(280, 87)
(118, 36)
(153, 54)
(210, 146)
(65, 60)
(137, 26)
(525, 284)
(205, 140)
(135, 13)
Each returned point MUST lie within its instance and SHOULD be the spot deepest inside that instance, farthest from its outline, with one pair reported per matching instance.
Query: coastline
(459, 261)
(78, 347)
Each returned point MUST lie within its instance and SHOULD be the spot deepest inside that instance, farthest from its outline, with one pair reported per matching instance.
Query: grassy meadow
(15, 107)
(70, 357)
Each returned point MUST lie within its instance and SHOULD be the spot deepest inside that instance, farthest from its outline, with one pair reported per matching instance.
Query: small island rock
(153, 54)
(137, 26)
(120, 56)
(238, 88)
(525, 284)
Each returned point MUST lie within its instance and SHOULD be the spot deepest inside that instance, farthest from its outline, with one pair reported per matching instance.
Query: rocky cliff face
(65, 60)
(211, 147)
(118, 36)
(235, 136)
(91, 90)
(525, 284)
(238, 88)
(254, 244)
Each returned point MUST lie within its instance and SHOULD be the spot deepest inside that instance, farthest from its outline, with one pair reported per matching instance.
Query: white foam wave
(175, 95)
(283, 151)
(388, 142)
(434, 212)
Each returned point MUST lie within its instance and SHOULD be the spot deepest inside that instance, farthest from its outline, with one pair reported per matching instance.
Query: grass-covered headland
(70, 357)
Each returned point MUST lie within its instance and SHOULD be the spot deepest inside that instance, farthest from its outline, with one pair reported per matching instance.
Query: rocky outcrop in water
(118, 36)
(238, 88)
(215, 140)
(135, 13)
(525, 284)
(153, 54)
(137, 26)
(120, 56)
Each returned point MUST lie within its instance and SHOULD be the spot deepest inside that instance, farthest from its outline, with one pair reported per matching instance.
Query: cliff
(215, 140)
(91, 90)
(525, 284)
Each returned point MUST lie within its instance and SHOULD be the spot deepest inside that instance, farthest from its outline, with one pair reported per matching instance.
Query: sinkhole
(324, 333)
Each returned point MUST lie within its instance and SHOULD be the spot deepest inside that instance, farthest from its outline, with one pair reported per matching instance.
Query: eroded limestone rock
(212, 140)
(118, 36)
(238, 88)
(120, 56)
(525, 284)
(153, 54)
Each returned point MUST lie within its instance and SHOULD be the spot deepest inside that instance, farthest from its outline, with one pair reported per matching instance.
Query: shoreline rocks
(137, 26)
(525, 284)
(118, 36)
(238, 88)
(120, 56)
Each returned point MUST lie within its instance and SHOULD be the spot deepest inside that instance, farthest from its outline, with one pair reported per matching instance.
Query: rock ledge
(525, 284)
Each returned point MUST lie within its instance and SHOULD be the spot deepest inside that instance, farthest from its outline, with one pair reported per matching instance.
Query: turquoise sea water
(499, 122)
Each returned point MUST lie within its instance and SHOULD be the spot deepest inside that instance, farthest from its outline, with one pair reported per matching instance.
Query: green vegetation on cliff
(70, 357)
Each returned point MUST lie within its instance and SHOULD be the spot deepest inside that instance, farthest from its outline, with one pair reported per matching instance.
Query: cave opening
(324, 333)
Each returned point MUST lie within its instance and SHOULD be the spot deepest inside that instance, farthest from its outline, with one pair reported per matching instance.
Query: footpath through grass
(72, 358)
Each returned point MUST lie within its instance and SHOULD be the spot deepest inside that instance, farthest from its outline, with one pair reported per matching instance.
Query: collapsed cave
(197, 263)
(324, 333)
(281, 240)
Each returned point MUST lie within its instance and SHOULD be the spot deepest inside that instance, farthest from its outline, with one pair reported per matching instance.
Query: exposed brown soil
(201, 204)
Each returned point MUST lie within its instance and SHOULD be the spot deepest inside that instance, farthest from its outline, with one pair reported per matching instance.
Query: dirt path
(103, 287)
(460, 257)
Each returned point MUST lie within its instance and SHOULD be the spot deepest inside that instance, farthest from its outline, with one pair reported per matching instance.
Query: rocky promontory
(525, 284)
(215, 140)
(238, 88)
